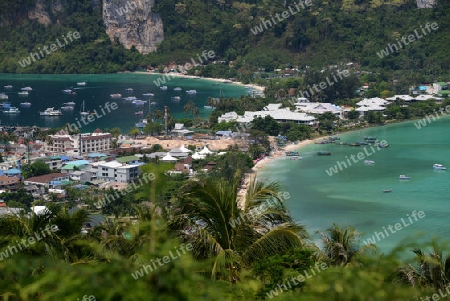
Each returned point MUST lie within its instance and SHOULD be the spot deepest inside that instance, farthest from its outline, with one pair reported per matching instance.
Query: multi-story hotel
(79, 144)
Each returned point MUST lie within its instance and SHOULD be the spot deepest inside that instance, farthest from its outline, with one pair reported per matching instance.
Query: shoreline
(296, 147)
(219, 80)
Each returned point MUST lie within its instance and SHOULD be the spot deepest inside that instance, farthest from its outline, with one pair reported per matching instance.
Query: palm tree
(208, 215)
(341, 244)
(431, 270)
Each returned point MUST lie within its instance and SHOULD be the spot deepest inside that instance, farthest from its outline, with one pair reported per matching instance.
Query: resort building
(319, 108)
(371, 104)
(115, 171)
(79, 144)
(273, 110)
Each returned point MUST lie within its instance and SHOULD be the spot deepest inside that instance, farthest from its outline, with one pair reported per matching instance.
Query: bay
(354, 196)
(48, 92)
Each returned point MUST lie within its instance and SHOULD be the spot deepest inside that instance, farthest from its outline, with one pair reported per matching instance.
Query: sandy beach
(219, 80)
(280, 154)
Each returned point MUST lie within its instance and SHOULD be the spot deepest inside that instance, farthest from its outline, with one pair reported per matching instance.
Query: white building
(72, 144)
(115, 171)
(273, 110)
(319, 108)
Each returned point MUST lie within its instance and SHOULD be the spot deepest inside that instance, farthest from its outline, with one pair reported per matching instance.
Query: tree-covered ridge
(327, 32)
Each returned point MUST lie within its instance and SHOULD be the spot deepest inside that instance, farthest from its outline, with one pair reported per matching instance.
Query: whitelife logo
(423, 122)
(398, 226)
(206, 55)
(166, 259)
(285, 14)
(90, 118)
(53, 47)
(411, 38)
(11, 250)
(341, 165)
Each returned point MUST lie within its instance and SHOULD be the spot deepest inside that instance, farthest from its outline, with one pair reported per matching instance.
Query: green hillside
(324, 33)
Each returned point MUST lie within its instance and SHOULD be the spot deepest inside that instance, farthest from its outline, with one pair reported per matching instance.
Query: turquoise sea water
(354, 195)
(47, 92)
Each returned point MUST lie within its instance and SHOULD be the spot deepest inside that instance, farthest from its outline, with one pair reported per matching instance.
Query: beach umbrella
(205, 151)
(184, 149)
(197, 156)
(168, 158)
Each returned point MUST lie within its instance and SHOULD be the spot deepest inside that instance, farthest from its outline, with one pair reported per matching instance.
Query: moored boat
(81, 84)
(177, 89)
(70, 103)
(369, 162)
(8, 87)
(354, 144)
(382, 145)
(176, 98)
(191, 92)
(67, 91)
(23, 93)
(50, 112)
(324, 153)
(12, 110)
(148, 94)
(292, 153)
(403, 177)
(439, 167)
(139, 113)
(115, 95)
(25, 104)
(130, 98)
(129, 89)
(26, 89)
(3, 96)
(387, 190)
(141, 124)
(67, 108)
(295, 158)
(164, 88)
(370, 138)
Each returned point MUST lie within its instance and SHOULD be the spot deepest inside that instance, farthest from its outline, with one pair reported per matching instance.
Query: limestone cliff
(133, 23)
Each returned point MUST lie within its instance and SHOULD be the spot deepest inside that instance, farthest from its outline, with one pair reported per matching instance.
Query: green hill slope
(323, 33)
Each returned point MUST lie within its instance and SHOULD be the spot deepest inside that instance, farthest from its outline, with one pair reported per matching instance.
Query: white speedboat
(8, 87)
(208, 107)
(148, 94)
(139, 102)
(70, 103)
(3, 96)
(439, 167)
(141, 124)
(130, 98)
(191, 92)
(369, 162)
(129, 89)
(403, 177)
(164, 88)
(83, 112)
(67, 91)
(176, 98)
(12, 110)
(81, 84)
(23, 93)
(50, 112)
(26, 89)
(177, 89)
(115, 95)
(25, 104)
